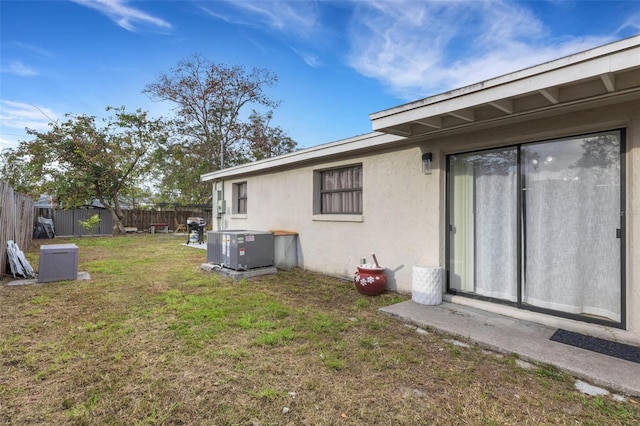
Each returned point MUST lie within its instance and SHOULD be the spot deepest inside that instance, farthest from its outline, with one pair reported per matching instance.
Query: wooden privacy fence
(142, 219)
(17, 217)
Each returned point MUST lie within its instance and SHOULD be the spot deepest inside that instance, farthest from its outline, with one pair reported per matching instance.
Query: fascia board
(362, 142)
(563, 71)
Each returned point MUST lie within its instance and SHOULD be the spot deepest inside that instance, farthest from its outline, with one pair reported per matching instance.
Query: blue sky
(337, 61)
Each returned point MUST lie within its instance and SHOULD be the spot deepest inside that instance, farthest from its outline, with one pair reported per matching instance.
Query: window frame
(319, 209)
(522, 235)
(240, 198)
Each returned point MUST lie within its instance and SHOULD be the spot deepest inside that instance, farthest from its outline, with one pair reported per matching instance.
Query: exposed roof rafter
(609, 81)
(504, 105)
(435, 122)
(552, 94)
(464, 114)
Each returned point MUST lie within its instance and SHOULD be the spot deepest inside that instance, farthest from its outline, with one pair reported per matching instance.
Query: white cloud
(299, 21)
(299, 18)
(21, 112)
(296, 17)
(422, 48)
(33, 49)
(125, 16)
(631, 24)
(311, 59)
(16, 116)
(418, 48)
(20, 69)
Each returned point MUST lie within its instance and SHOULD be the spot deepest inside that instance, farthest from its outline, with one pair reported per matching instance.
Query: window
(240, 198)
(340, 190)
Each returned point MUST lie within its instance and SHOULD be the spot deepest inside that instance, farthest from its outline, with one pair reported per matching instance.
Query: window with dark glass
(341, 190)
(241, 198)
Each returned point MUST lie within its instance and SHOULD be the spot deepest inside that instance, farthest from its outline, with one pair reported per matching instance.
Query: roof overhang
(596, 75)
(367, 142)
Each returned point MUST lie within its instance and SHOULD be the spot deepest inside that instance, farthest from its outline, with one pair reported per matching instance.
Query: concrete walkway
(527, 339)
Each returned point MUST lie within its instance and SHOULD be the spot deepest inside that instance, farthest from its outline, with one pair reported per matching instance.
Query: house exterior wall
(395, 194)
(404, 215)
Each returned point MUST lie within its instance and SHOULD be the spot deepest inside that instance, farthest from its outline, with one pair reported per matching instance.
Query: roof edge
(546, 67)
(368, 140)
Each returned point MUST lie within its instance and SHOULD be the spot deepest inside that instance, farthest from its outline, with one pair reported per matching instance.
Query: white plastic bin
(426, 285)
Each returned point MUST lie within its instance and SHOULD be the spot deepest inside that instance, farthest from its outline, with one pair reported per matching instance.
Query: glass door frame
(521, 253)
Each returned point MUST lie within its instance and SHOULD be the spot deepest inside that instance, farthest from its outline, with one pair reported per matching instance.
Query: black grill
(196, 224)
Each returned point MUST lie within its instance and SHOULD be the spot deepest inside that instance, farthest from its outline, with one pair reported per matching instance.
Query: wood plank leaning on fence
(17, 217)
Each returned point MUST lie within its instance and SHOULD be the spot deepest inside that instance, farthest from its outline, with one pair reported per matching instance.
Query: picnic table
(159, 227)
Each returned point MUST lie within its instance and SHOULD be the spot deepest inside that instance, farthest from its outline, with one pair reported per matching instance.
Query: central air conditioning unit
(240, 250)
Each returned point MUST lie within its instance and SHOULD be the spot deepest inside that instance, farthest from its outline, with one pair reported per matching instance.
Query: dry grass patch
(152, 339)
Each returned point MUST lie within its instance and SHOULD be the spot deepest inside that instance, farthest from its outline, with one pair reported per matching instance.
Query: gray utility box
(286, 249)
(240, 249)
(58, 262)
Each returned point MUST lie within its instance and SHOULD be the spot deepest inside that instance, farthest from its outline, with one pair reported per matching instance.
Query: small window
(340, 190)
(240, 198)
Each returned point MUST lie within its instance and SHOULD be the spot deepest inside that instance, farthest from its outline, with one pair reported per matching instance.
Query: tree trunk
(116, 213)
(118, 226)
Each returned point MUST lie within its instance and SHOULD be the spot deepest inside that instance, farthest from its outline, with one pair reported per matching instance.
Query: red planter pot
(370, 281)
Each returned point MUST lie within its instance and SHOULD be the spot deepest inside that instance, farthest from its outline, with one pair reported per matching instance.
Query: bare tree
(210, 128)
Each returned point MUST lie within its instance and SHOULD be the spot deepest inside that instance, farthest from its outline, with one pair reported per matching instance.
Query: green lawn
(152, 339)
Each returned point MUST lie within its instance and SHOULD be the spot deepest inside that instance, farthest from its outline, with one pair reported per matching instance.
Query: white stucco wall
(400, 221)
(403, 217)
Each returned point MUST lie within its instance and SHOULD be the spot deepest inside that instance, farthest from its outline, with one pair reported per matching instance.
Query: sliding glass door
(483, 223)
(540, 226)
(573, 225)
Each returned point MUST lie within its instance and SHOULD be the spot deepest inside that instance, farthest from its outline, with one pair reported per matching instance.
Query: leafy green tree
(210, 129)
(78, 161)
(91, 224)
(18, 172)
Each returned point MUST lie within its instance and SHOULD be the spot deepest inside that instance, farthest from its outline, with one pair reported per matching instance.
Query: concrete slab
(81, 276)
(527, 339)
(238, 275)
(201, 246)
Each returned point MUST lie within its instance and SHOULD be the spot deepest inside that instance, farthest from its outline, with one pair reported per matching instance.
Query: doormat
(595, 344)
